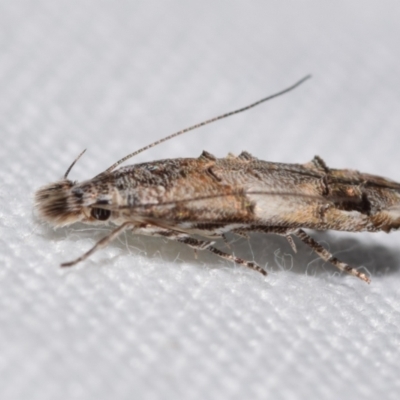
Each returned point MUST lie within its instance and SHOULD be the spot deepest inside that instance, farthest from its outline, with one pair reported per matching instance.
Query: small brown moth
(209, 196)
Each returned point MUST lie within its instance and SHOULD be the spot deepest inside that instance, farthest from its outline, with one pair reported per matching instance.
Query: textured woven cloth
(143, 318)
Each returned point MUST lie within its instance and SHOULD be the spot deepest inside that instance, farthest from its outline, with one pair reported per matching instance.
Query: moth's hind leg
(206, 245)
(327, 256)
(321, 251)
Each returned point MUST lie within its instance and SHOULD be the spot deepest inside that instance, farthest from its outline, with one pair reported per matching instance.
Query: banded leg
(327, 256)
(205, 245)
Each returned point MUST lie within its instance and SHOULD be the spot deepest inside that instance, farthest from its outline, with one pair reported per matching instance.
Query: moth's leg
(327, 256)
(237, 260)
(100, 244)
(242, 233)
(205, 245)
(291, 242)
(225, 239)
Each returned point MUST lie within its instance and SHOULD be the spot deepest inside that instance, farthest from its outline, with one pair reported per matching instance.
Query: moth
(198, 200)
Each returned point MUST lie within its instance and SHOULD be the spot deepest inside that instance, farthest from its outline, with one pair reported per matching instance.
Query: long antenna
(73, 163)
(209, 121)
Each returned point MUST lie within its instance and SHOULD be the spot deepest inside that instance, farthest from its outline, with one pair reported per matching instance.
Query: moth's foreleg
(100, 244)
(327, 256)
(206, 245)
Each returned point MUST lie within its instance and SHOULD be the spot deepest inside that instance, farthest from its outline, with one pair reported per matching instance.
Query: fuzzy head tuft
(57, 204)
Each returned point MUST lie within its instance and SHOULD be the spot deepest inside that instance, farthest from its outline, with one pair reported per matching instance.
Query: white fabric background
(143, 319)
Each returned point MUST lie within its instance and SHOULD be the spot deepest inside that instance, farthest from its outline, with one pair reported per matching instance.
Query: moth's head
(58, 205)
(66, 202)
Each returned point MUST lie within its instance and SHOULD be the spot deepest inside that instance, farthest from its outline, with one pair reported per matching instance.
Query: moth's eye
(100, 213)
